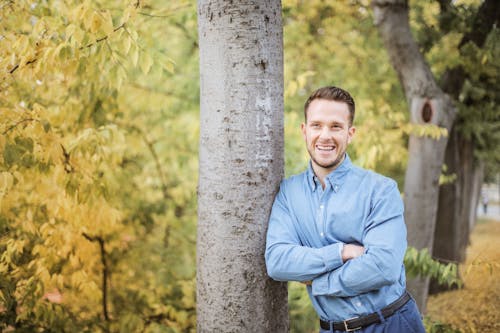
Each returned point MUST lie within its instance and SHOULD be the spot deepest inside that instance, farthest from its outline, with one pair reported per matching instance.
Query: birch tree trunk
(428, 105)
(241, 164)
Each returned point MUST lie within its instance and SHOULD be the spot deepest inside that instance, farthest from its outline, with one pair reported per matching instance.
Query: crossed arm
(340, 269)
(349, 251)
(287, 260)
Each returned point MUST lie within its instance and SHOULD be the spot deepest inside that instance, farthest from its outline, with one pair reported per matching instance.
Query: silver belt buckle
(347, 329)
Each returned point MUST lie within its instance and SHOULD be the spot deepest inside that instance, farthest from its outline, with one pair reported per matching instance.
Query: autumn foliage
(93, 187)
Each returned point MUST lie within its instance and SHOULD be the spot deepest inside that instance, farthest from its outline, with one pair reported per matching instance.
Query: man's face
(327, 133)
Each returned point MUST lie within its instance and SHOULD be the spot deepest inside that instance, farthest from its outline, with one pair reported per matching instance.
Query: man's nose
(325, 132)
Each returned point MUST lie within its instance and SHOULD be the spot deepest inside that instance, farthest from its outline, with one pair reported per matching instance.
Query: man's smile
(325, 148)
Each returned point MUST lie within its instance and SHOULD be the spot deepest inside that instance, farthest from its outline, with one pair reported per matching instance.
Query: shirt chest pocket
(345, 224)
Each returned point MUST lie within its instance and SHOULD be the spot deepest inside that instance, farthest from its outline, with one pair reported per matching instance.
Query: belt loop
(381, 317)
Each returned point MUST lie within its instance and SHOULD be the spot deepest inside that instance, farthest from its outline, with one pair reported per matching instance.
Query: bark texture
(428, 105)
(241, 164)
(457, 204)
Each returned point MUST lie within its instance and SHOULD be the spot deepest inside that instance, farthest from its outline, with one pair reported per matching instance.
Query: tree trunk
(241, 164)
(476, 193)
(428, 105)
(457, 203)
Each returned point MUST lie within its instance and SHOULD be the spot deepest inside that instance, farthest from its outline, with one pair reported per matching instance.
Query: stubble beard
(329, 166)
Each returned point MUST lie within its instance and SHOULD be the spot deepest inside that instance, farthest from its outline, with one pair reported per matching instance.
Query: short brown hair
(333, 94)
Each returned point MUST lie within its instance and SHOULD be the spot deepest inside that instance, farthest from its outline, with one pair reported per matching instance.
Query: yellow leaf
(135, 55)
(86, 15)
(107, 23)
(13, 60)
(126, 15)
(127, 41)
(146, 63)
(169, 66)
(95, 22)
(70, 30)
(39, 27)
(6, 182)
(78, 35)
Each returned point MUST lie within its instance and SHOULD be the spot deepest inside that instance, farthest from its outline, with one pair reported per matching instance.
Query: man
(340, 230)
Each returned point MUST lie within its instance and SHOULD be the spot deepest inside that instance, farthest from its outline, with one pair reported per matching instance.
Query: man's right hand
(351, 251)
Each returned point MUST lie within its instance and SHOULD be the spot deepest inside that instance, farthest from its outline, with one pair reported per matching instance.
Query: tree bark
(451, 235)
(457, 204)
(241, 164)
(428, 105)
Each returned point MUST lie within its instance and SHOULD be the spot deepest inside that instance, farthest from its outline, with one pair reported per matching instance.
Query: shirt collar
(336, 178)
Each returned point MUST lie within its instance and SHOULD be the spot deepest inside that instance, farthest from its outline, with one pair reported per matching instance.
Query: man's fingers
(351, 251)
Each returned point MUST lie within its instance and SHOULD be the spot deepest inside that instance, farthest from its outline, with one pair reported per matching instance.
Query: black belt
(357, 323)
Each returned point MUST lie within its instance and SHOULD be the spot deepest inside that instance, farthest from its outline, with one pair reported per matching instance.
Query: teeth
(325, 147)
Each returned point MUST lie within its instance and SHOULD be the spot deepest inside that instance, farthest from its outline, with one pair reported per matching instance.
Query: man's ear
(303, 129)
(350, 133)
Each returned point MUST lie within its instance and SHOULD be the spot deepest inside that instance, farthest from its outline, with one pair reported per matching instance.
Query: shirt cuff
(332, 256)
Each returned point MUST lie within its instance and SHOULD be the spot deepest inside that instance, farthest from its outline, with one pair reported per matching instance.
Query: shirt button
(322, 234)
(358, 304)
(321, 206)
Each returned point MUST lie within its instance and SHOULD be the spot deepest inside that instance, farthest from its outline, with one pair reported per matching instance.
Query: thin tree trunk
(428, 105)
(476, 193)
(241, 164)
(452, 226)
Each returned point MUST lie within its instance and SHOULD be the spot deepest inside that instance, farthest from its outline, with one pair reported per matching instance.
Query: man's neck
(322, 173)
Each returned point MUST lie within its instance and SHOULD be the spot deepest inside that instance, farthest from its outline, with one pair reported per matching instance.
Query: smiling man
(340, 229)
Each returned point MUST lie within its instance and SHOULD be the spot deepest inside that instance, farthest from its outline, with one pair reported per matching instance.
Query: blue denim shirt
(309, 225)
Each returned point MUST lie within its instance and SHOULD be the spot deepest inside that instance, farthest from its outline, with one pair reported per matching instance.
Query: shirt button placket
(321, 219)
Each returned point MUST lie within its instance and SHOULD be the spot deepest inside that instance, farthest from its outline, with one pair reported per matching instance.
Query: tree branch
(172, 11)
(105, 273)
(156, 159)
(151, 148)
(16, 67)
(486, 18)
(391, 18)
(102, 38)
(67, 165)
(151, 90)
(10, 128)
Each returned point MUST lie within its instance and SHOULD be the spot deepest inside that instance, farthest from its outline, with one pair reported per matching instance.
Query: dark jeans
(405, 320)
